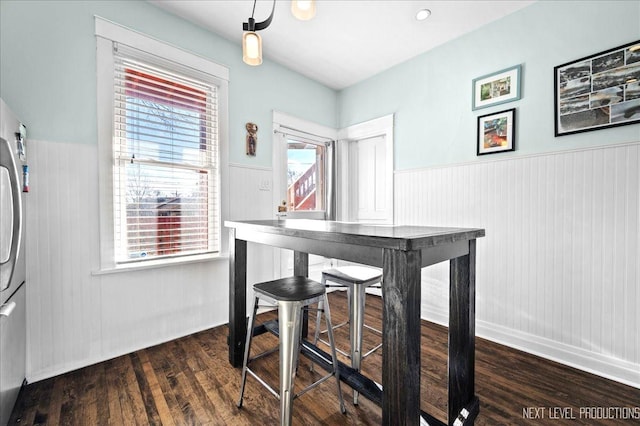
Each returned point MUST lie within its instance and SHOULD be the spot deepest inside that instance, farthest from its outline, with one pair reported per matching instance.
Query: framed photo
(598, 91)
(497, 88)
(496, 132)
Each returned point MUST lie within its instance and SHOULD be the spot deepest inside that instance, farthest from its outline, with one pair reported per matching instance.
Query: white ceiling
(348, 40)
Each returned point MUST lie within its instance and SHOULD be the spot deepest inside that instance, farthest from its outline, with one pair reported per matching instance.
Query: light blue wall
(48, 72)
(431, 94)
(47, 75)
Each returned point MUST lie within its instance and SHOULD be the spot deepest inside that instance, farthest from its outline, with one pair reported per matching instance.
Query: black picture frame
(598, 91)
(496, 132)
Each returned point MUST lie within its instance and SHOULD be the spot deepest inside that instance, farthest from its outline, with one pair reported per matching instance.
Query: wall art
(251, 138)
(598, 91)
(496, 132)
(497, 88)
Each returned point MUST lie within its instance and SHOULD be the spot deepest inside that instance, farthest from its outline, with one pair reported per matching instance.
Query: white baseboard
(36, 376)
(581, 359)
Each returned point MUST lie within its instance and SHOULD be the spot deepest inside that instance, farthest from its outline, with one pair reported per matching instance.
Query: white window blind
(165, 160)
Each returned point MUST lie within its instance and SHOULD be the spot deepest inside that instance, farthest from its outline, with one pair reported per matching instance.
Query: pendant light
(251, 40)
(251, 47)
(303, 9)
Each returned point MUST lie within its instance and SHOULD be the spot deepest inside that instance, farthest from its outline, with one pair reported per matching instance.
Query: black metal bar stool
(356, 279)
(290, 295)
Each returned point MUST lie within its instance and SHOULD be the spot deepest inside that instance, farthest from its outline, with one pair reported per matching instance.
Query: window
(163, 151)
(306, 171)
(303, 162)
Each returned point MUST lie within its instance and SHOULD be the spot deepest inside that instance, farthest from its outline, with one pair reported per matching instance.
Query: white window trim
(106, 33)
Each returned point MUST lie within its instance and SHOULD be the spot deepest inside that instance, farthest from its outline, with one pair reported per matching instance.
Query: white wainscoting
(78, 317)
(558, 273)
(64, 309)
(251, 198)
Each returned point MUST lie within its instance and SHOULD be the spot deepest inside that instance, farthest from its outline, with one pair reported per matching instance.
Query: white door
(369, 180)
(366, 172)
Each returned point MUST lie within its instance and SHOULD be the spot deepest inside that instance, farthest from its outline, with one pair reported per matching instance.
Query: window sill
(161, 263)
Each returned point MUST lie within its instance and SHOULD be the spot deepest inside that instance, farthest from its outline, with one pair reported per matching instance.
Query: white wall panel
(251, 198)
(62, 214)
(558, 272)
(78, 317)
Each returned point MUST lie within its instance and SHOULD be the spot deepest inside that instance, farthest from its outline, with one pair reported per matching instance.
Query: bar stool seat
(356, 279)
(291, 295)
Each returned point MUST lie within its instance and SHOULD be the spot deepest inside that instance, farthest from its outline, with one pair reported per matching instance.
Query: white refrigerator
(13, 318)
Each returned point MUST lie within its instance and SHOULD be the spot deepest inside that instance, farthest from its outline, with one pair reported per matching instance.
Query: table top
(398, 237)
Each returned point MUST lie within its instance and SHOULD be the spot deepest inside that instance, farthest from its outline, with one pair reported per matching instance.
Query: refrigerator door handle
(7, 308)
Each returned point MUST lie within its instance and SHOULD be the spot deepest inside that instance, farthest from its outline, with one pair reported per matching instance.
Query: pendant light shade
(251, 41)
(251, 48)
(303, 9)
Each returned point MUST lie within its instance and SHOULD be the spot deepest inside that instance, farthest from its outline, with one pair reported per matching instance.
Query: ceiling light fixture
(303, 9)
(251, 40)
(423, 14)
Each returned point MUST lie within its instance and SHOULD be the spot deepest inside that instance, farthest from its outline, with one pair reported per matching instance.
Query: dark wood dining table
(401, 251)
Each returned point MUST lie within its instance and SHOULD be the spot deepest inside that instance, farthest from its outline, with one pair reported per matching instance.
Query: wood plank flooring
(189, 381)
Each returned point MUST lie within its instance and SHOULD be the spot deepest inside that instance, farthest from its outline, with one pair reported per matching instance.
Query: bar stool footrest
(263, 383)
(375, 330)
(372, 350)
(340, 351)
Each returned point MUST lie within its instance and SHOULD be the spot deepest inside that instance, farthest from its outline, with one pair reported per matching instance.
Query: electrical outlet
(265, 185)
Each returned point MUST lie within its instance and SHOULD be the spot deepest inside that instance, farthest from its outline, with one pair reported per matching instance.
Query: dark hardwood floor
(189, 381)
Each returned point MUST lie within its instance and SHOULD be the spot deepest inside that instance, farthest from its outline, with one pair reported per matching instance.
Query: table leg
(300, 264)
(462, 332)
(237, 298)
(401, 337)
(301, 269)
